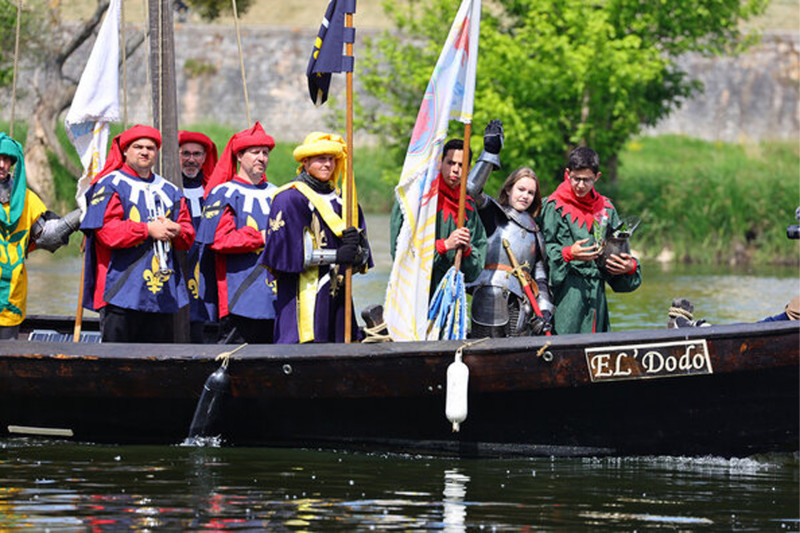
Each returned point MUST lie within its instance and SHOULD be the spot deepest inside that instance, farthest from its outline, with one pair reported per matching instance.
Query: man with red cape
(197, 155)
(135, 221)
(577, 282)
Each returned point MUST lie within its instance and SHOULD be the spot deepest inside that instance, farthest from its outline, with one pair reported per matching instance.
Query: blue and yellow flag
(328, 54)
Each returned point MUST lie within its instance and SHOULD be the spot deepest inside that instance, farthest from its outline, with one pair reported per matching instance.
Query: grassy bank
(711, 202)
(699, 201)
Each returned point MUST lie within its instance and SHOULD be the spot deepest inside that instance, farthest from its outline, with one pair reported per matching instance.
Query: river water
(51, 485)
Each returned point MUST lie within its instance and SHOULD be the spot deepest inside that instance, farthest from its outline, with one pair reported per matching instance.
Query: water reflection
(455, 510)
(721, 295)
(47, 485)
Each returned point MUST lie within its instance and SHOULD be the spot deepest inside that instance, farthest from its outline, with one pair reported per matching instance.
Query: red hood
(582, 211)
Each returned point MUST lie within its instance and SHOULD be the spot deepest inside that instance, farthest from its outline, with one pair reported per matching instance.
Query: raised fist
(493, 136)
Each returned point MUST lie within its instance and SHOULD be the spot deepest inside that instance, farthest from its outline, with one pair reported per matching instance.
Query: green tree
(7, 15)
(211, 9)
(8, 24)
(50, 43)
(559, 73)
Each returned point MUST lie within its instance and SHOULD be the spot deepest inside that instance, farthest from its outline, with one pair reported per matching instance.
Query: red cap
(116, 157)
(226, 167)
(208, 144)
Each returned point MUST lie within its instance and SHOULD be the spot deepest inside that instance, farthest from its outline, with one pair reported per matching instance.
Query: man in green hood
(25, 225)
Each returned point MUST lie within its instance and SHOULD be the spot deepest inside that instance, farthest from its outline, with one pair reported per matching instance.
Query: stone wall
(751, 97)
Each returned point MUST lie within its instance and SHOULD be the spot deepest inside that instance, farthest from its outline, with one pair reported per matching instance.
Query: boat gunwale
(498, 347)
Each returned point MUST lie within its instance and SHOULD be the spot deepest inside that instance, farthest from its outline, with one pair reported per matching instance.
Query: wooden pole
(76, 332)
(124, 52)
(462, 191)
(348, 187)
(241, 63)
(165, 115)
(16, 68)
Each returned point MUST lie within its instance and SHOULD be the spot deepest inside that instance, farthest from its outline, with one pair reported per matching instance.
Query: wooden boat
(721, 390)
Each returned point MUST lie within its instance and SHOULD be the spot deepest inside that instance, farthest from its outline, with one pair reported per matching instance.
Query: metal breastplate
(520, 231)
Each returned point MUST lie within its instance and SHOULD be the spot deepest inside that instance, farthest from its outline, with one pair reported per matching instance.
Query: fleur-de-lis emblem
(276, 223)
(212, 210)
(320, 241)
(194, 283)
(99, 195)
(154, 277)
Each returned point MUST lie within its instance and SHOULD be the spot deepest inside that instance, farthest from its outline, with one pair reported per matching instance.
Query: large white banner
(449, 96)
(96, 101)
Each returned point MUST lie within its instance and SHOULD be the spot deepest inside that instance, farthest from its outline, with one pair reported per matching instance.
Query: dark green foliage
(212, 9)
(559, 73)
(8, 32)
(704, 200)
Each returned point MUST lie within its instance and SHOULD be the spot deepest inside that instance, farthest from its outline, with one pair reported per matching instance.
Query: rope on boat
(374, 334)
(675, 312)
(225, 357)
(460, 350)
(543, 349)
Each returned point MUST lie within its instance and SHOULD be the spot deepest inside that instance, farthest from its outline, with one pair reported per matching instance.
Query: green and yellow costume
(16, 219)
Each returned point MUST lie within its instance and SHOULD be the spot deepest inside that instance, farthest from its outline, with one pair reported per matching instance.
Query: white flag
(96, 101)
(450, 96)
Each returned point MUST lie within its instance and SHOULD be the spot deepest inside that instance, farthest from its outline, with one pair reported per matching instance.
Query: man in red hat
(134, 222)
(197, 155)
(237, 206)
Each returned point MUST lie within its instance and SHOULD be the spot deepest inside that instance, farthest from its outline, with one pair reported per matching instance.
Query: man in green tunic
(577, 283)
(471, 237)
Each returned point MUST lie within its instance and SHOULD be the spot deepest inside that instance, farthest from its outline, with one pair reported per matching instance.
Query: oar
(526, 286)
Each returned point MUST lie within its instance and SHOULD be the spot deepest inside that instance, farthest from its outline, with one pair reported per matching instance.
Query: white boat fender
(216, 390)
(455, 407)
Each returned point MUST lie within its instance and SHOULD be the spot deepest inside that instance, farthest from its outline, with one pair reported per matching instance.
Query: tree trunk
(52, 96)
(611, 165)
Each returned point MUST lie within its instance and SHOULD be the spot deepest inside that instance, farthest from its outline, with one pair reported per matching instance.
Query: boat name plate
(648, 361)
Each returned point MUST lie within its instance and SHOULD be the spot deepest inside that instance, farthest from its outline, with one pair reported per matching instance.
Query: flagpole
(76, 330)
(462, 192)
(348, 189)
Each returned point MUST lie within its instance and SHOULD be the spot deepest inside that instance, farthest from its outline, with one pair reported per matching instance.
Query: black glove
(351, 236)
(349, 250)
(547, 316)
(346, 254)
(542, 324)
(493, 136)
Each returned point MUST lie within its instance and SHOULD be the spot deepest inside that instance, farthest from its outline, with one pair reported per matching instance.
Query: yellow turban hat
(319, 143)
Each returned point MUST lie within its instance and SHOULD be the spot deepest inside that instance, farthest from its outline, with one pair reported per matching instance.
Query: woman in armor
(500, 305)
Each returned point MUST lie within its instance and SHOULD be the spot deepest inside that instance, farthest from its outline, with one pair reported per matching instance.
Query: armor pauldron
(313, 257)
(50, 232)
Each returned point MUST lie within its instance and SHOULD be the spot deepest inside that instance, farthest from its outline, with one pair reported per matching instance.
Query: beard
(191, 171)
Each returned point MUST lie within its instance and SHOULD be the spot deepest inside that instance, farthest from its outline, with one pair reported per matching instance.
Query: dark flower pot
(613, 245)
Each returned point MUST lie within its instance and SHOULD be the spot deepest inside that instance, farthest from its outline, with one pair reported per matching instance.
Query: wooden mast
(165, 114)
